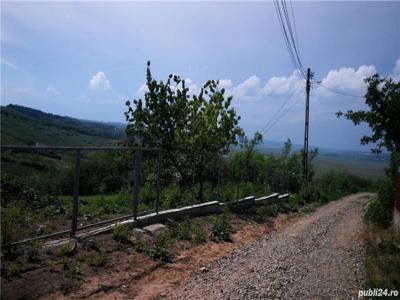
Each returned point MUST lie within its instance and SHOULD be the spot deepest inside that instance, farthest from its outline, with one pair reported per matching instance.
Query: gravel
(318, 256)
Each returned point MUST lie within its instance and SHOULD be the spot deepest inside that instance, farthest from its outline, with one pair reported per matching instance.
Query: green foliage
(26, 126)
(71, 270)
(382, 260)
(13, 217)
(189, 230)
(16, 267)
(160, 248)
(96, 259)
(379, 211)
(203, 125)
(121, 233)
(221, 228)
(383, 99)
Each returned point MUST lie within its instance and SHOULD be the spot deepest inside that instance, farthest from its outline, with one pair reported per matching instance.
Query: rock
(203, 269)
(155, 228)
(139, 231)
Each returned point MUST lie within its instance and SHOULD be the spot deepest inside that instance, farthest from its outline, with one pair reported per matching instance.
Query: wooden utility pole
(306, 125)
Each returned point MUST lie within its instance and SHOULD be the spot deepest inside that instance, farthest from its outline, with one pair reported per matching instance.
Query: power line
(287, 31)
(280, 112)
(288, 109)
(338, 92)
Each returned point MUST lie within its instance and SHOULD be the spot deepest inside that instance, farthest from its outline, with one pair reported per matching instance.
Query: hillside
(26, 126)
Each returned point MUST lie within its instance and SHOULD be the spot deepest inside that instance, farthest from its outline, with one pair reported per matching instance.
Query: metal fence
(137, 158)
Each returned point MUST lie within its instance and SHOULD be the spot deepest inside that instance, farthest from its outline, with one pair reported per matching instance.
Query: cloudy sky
(84, 59)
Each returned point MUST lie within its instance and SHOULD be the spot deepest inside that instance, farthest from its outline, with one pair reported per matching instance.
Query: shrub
(121, 233)
(160, 248)
(382, 259)
(379, 211)
(96, 259)
(221, 228)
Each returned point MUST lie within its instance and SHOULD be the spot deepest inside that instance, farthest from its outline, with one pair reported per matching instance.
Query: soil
(264, 260)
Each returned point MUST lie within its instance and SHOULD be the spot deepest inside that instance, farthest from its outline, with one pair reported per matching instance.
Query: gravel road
(319, 256)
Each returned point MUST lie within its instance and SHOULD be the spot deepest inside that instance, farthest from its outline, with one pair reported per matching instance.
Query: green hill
(26, 126)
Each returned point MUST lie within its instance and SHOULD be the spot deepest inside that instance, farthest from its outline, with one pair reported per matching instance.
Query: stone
(155, 228)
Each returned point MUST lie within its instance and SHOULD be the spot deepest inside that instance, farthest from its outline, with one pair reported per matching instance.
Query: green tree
(383, 99)
(192, 130)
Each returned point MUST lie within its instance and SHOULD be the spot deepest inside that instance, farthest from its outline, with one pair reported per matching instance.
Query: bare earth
(319, 256)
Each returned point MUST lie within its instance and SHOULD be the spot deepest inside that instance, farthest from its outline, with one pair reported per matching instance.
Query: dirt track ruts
(320, 256)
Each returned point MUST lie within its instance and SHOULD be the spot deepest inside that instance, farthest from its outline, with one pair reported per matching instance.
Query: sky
(85, 59)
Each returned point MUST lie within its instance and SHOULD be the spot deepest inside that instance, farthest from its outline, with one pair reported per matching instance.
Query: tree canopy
(191, 129)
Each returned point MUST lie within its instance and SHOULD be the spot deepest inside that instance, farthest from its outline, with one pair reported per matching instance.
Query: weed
(16, 267)
(198, 233)
(71, 270)
(310, 209)
(160, 248)
(382, 260)
(221, 228)
(96, 259)
(32, 251)
(121, 233)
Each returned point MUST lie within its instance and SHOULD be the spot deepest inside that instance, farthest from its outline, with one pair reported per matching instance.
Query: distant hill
(26, 126)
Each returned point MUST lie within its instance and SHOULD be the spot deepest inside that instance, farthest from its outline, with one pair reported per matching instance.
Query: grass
(382, 261)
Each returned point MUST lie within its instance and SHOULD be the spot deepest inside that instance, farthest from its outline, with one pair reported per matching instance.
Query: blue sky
(84, 59)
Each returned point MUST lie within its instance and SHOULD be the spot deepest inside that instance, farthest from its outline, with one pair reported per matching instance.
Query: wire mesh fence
(58, 191)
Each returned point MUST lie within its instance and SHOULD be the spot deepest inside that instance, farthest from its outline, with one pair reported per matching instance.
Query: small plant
(32, 251)
(15, 268)
(96, 259)
(137, 243)
(121, 233)
(379, 210)
(310, 209)
(71, 270)
(221, 228)
(198, 233)
(160, 248)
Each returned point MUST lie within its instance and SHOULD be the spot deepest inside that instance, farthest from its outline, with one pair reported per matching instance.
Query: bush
(382, 259)
(221, 228)
(121, 233)
(379, 211)
(160, 248)
(96, 259)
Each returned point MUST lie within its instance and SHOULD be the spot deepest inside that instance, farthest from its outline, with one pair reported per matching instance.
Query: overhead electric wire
(287, 31)
(283, 113)
(289, 24)
(338, 92)
(279, 110)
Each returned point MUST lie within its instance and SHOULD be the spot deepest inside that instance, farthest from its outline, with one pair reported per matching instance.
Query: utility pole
(306, 125)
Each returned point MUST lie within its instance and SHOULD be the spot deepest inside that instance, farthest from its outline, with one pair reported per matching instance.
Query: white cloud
(346, 80)
(7, 63)
(396, 70)
(283, 85)
(249, 88)
(99, 81)
(53, 91)
(225, 83)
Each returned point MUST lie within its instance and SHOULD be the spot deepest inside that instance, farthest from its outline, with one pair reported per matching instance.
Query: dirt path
(318, 256)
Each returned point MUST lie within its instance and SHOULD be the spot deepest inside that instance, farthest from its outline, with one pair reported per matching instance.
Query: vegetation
(26, 126)
(383, 99)
(382, 262)
(221, 228)
(121, 233)
(192, 130)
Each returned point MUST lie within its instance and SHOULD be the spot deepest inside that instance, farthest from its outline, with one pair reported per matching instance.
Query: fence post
(159, 161)
(136, 183)
(75, 203)
(396, 211)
